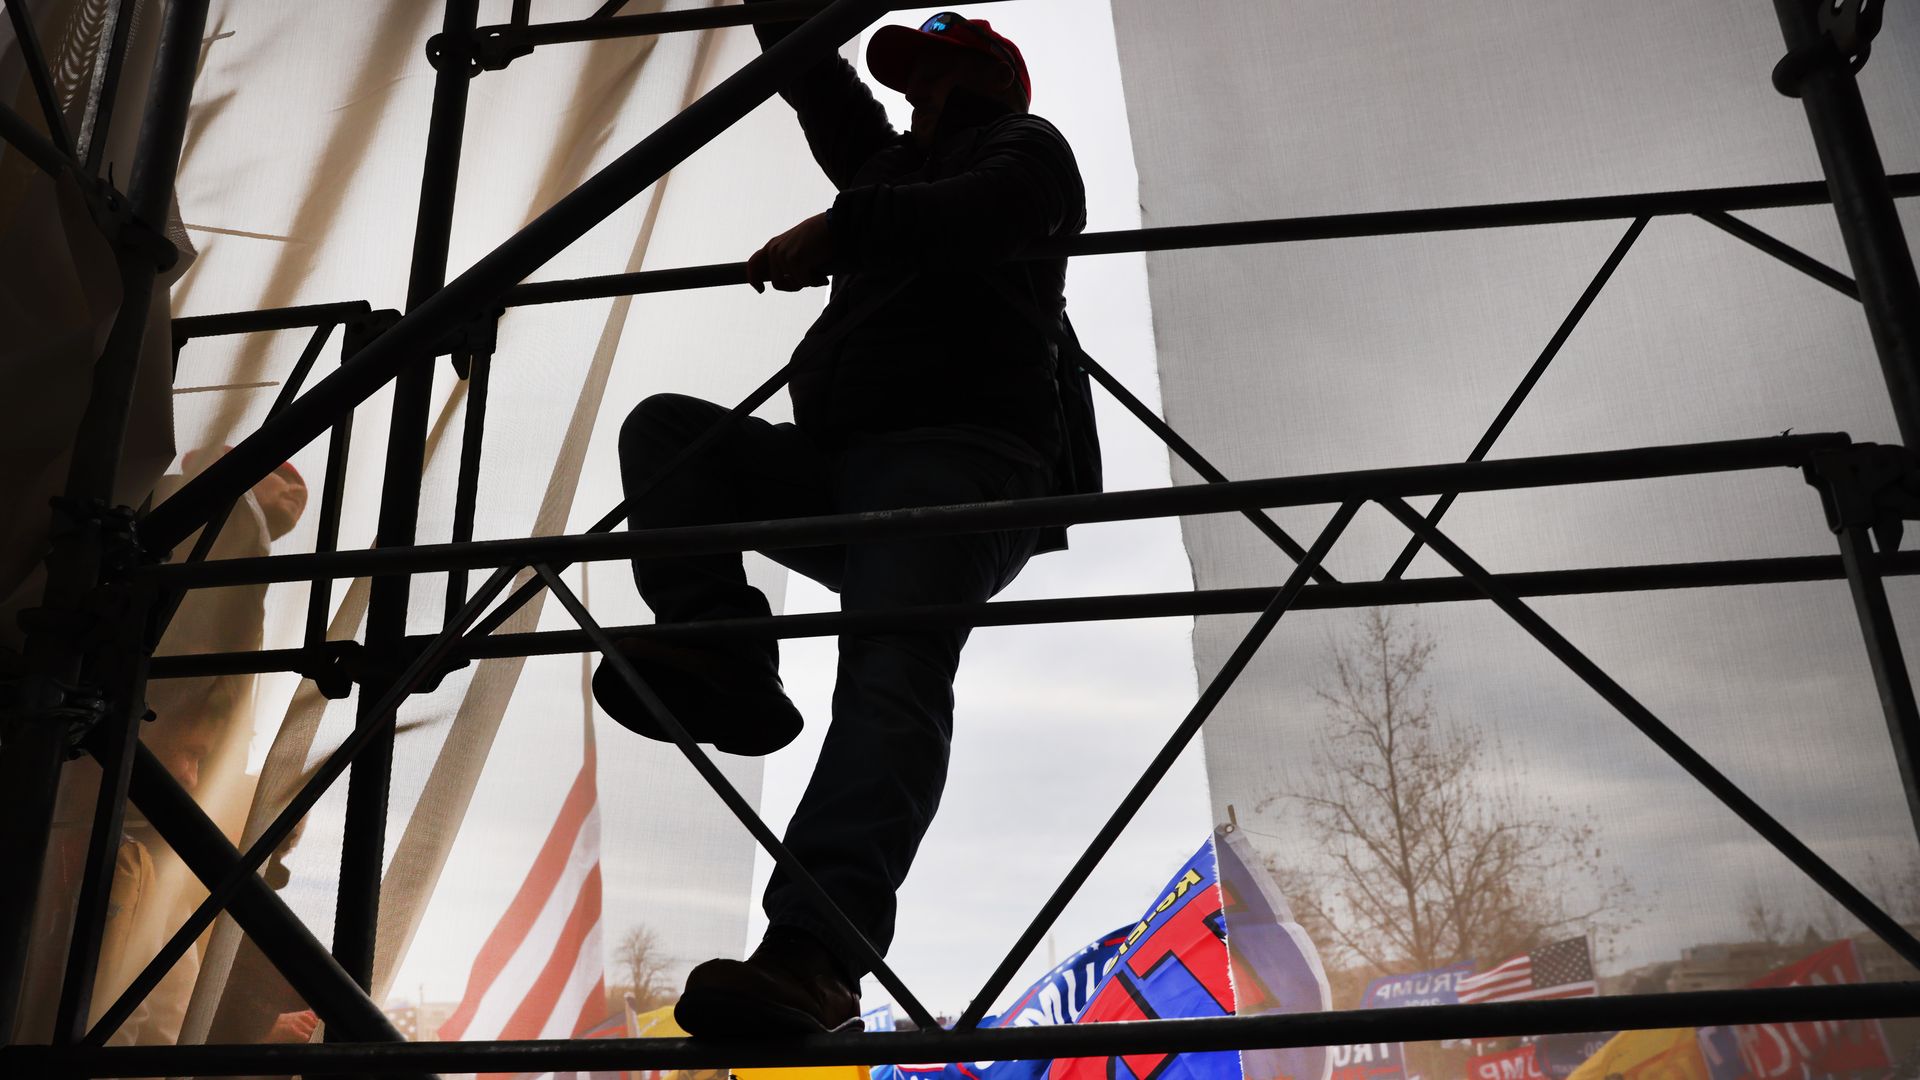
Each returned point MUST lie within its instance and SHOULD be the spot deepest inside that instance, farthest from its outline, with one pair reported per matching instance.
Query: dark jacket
(934, 229)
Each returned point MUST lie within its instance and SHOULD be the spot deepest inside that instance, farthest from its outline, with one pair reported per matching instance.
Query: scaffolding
(109, 593)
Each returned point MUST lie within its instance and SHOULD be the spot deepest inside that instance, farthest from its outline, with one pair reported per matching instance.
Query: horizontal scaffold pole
(1154, 605)
(1181, 237)
(265, 319)
(677, 21)
(1273, 231)
(1791, 451)
(1513, 1018)
(414, 338)
(1699, 201)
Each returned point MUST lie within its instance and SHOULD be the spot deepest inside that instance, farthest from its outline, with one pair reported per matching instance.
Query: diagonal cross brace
(1716, 782)
(852, 940)
(228, 882)
(1063, 339)
(266, 918)
(1156, 770)
(1785, 252)
(1527, 381)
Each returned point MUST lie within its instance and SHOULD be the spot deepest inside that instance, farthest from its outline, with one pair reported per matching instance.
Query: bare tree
(1433, 855)
(645, 968)
(1897, 886)
(1765, 919)
(1793, 909)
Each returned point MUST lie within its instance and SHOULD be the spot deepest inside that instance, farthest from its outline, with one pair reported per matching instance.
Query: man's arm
(1022, 187)
(844, 124)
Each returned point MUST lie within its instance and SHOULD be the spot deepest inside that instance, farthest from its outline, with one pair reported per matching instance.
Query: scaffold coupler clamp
(1847, 30)
(477, 51)
(361, 331)
(474, 341)
(333, 666)
(113, 215)
(102, 624)
(35, 697)
(1868, 485)
(337, 666)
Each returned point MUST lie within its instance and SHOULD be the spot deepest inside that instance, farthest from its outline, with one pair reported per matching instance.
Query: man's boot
(725, 693)
(790, 985)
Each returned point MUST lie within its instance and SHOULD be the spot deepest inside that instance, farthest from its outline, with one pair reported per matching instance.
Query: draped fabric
(299, 183)
(562, 379)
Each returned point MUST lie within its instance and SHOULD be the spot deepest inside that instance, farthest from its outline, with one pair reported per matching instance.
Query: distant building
(420, 1022)
(1645, 979)
(432, 1015)
(1736, 964)
(1729, 965)
(405, 1020)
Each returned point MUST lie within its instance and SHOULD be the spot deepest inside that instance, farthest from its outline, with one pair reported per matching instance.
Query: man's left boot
(789, 986)
(726, 693)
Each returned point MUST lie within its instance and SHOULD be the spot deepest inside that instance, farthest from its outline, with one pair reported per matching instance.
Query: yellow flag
(659, 1024)
(1665, 1054)
(654, 1024)
(823, 1072)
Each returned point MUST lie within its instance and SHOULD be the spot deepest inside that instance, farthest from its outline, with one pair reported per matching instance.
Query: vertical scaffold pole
(1824, 39)
(1890, 677)
(32, 755)
(363, 850)
(1819, 73)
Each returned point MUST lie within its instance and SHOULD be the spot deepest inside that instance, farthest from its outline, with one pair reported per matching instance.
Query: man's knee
(662, 423)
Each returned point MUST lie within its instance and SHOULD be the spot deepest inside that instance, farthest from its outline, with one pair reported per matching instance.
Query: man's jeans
(884, 763)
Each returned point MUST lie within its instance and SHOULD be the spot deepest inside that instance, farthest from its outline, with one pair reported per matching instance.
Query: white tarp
(1354, 354)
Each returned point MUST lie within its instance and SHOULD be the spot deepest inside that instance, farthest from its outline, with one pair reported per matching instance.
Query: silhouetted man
(920, 385)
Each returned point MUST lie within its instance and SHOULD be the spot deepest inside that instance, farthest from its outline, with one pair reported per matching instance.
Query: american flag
(1563, 969)
(541, 973)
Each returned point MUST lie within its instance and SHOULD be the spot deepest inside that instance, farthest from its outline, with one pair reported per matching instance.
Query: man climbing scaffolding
(928, 380)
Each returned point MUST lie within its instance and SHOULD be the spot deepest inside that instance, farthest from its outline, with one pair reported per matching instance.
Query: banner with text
(1368, 1061)
(1773, 1051)
(1437, 987)
(1518, 1064)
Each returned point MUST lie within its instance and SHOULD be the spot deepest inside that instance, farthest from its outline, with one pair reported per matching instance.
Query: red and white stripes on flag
(541, 974)
(1563, 969)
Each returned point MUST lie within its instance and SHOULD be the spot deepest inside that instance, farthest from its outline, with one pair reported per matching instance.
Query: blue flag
(1059, 997)
(1276, 969)
(1219, 933)
(1172, 964)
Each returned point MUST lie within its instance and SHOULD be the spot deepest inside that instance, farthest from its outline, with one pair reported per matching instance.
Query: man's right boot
(728, 694)
(789, 986)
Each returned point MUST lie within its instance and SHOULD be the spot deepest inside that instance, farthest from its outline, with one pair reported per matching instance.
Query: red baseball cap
(895, 49)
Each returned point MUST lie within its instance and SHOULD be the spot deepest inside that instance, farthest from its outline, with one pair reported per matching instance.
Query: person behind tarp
(201, 730)
(922, 384)
(260, 1005)
(139, 909)
(230, 619)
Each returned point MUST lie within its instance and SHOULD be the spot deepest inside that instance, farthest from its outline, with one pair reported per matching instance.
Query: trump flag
(1777, 1051)
(1176, 962)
